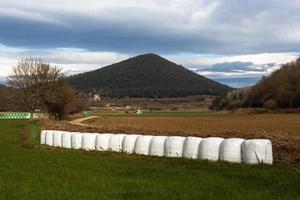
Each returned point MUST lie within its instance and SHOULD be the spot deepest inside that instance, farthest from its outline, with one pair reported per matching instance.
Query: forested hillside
(146, 75)
(279, 90)
(282, 87)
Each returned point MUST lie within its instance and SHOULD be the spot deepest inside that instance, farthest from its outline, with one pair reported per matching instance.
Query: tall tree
(36, 79)
(43, 87)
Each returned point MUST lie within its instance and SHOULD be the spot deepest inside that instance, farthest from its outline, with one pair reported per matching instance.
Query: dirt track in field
(79, 122)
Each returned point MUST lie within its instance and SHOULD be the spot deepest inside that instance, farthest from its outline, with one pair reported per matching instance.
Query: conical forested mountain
(147, 75)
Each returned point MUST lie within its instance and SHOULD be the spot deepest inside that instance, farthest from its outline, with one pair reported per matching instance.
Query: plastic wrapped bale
(231, 150)
(43, 137)
(102, 141)
(209, 148)
(76, 141)
(142, 144)
(157, 146)
(66, 139)
(128, 143)
(88, 142)
(115, 142)
(191, 147)
(49, 138)
(257, 151)
(57, 138)
(174, 146)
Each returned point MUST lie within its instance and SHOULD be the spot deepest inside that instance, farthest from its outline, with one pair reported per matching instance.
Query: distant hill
(146, 75)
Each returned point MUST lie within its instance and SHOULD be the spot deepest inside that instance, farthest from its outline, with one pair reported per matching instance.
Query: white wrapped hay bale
(49, 138)
(102, 141)
(257, 151)
(142, 144)
(231, 150)
(43, 137)
(209, 148)
(115, 142)
(89, 141)
(57, 138)
(174, 146)
(157, 144)
(76, 140)
(128, 143)
(191, 147)
(66, 139)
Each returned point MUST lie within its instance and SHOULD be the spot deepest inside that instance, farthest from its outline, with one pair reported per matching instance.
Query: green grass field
(42, 173)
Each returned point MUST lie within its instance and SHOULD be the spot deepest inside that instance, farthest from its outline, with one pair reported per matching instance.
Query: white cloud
(70, 60)
(203, 60)
(5, 66)
(232, 74)
(260, 64)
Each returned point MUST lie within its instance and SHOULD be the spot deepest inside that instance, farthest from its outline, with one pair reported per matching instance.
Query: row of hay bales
(234, 150)
(15, 116)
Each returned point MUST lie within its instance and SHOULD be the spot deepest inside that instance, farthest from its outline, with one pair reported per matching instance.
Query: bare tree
(36, 79)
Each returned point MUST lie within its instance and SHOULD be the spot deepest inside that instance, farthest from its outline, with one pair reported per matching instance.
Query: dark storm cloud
(22, 33)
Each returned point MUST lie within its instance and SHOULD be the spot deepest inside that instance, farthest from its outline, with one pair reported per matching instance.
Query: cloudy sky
(232, 41)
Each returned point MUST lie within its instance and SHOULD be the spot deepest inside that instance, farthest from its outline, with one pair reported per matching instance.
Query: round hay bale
(76, 141)
(66, 139)
(231, 150)
(173, 146)
(209, 148)
(142, 144)
(49, 138)
(57, 138)
(43, 137)
(191, 147)
(257, 151)
(157, 146)
(115, 142)
(102, 141)
(88, 142)
(129, 143)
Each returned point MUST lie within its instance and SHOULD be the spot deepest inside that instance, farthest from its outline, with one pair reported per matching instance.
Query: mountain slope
(146, 75)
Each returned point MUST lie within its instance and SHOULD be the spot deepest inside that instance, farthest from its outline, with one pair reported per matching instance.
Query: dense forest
(146, 75)
(279, 90)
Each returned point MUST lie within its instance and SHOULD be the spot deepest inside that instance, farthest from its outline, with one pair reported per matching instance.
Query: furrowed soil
(282, 129)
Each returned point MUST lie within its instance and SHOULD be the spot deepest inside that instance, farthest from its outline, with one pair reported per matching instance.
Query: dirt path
(79, 122)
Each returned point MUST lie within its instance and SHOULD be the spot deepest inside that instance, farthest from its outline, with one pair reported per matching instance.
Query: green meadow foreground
(43, 173)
